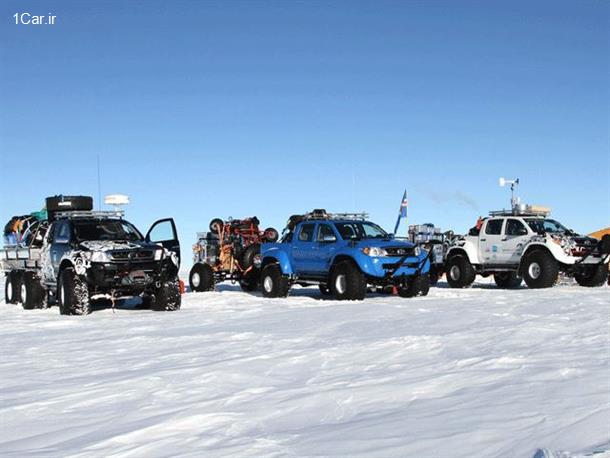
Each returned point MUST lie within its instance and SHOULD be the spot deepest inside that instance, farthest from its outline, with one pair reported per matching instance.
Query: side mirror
(328, 238)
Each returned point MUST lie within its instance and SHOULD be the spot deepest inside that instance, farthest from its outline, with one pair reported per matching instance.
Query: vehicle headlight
(416, 250)
(374, 251)
(96, 256)
(158, 255)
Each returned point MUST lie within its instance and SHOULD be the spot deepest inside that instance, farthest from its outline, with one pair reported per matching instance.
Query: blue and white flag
(402, 212)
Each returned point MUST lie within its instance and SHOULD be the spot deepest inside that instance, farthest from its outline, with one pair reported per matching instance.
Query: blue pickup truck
(343, 254)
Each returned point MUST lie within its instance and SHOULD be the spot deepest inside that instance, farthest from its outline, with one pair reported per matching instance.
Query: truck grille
(132, 256)
(399, 251)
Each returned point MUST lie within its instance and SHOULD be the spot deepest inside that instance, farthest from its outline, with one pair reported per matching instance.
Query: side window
(306, 233)
(62, 232)
(325, 232)
(494, 227)
(515, 227)
(162, 231)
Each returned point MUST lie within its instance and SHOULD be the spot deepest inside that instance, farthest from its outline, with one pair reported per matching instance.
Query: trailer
(432, 238)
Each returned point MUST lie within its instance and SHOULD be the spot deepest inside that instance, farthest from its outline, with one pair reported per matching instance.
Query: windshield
(360, 230)
(541, 226)
(106, 229)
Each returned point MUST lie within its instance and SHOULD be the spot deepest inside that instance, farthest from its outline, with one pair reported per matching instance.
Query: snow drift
(459, 373)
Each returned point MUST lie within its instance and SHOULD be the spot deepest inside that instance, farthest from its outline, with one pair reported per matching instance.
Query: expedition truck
(525, 244)
(230, 251)
(343, 253)
(79, 256)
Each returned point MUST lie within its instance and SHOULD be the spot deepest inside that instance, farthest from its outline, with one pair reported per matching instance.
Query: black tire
(604, 244)
(592, 276)
(539, 269)
(459, 272)
(324, 290)
(250, 255)
(271, 235)
(250, 281)
(507, 280)
(434, 275)
(201, 277)
(418, 286)
(33, 294)
(72, 293)
(347, 282)
(12, 288)
(8, 289)
(216, 225)
(273, 282)
(167, 297)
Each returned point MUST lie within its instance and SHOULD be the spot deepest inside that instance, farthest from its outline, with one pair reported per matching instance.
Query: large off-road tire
(251, 256)
(33, 293)
(507, 280)
(418, 286)
(167, 297)
(216, 225)
(592, 276)
(273, 282)
(434, 275)
(604, 245)
(250, 281)
(201, 278)
(72, 293)
(539, 269)
(271, 235)
(347, 282)
(459, 271)
(12, 288)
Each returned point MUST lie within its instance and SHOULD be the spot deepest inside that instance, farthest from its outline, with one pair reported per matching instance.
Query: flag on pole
(402, 212)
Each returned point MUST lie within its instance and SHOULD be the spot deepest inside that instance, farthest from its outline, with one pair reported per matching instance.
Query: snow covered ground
(461, 373)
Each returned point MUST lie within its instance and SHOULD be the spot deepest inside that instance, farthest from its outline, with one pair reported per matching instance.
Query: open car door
(164, 233)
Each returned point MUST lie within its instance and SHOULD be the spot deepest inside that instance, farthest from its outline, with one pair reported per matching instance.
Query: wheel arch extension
(280, 258)
(65, 264)
(532, 249)
(268, 260)
(340, 258)
(457, 252)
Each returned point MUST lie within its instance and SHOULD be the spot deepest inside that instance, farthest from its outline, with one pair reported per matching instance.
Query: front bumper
(392, 269)
(127, 278)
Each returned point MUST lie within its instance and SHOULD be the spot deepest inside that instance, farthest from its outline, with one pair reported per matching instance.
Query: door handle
(504, 239)
(483, 240)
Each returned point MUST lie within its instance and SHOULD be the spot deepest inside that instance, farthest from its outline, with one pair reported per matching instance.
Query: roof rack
(90, 214)
(323, 214)
(523, 210)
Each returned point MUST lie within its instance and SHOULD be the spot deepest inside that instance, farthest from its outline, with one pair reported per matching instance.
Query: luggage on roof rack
(523, 210)
(62, 204)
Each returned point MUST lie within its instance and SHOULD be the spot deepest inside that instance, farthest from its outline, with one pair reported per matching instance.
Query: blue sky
(201, 109)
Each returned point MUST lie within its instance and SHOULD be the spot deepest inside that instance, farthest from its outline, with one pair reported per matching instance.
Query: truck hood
(106, 245)
(384, 243)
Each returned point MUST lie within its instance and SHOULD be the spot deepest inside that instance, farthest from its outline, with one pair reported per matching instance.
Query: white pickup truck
(518, 245)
